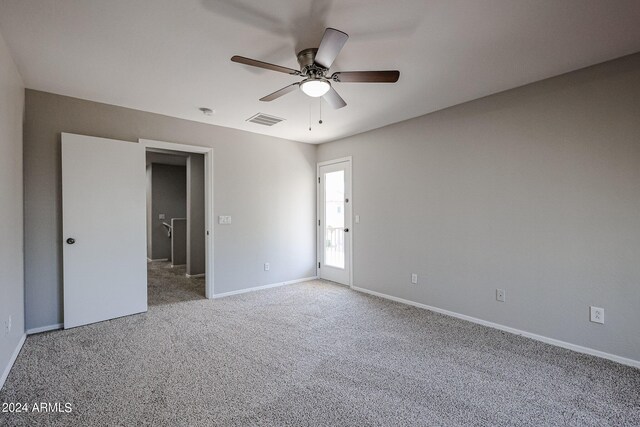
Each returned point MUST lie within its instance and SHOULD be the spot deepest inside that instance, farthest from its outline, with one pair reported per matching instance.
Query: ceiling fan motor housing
(307, 57)
(308, 66)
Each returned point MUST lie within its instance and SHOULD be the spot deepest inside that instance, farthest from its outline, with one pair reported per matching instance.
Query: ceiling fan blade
(334, 99)
(261, 64)
(277, 94)
(390, 76)
(330, 47)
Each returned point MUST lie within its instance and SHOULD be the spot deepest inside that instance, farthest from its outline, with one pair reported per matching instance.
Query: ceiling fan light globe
(315, 87)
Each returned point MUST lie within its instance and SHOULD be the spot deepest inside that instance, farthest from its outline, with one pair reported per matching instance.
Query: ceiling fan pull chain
(320, 101)
(309, 117)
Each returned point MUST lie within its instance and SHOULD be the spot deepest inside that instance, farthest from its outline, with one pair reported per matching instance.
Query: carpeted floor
(168, 285)
(308, 354)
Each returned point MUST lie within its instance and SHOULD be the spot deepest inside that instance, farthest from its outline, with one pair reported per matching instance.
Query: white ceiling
(171, 57)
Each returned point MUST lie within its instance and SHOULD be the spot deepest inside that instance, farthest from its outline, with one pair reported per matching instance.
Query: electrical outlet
(597, 314)
(266, 266)
(414, 279)
(161, 216)
(501, 295)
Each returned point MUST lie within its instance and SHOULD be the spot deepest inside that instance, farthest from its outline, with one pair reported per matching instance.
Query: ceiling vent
(264, 119)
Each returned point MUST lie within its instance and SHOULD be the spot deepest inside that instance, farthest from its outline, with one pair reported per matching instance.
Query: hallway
(167, 285)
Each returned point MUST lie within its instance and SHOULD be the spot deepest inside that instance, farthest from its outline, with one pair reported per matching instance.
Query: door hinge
(318, 223)
(318, 265)
(318, 180)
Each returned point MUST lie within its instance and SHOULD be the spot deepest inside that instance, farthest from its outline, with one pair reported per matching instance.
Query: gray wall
(195, 211)
(11, 207)
(178, 241)
(267, 184)
(168, 196)
(535, 190)
(149, 213)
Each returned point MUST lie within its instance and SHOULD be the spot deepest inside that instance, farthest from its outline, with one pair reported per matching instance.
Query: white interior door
(335, 222)
(104, 229)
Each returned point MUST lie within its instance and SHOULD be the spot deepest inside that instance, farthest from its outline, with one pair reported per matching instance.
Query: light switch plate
(357, 219)
(500, 295)
(161, 216)
(224, 219)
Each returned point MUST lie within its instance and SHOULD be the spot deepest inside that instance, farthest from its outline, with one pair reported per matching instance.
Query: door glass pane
(334, 219)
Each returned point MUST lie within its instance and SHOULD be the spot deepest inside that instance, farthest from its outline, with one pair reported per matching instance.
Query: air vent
(264, 119)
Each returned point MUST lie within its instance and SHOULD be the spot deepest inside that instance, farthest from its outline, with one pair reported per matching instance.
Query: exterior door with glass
(334, 221)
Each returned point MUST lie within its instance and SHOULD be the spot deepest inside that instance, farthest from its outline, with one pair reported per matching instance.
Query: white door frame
(319, 235)
(151, 145)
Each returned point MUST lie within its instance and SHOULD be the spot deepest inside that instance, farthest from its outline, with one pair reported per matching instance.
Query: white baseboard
(157, 260)
(45, 328)
(177, 265)
(259, 288)
(190, 276)
(12, 360)
(552, 341)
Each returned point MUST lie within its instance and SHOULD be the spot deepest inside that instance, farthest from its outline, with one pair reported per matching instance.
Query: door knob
(71, 241)
(346, 230)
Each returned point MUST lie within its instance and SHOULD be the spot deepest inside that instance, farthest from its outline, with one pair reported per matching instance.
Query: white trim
(12, 360)
(334, 161)
(190, 276)
(45, 328)
(152, 145)
(178, 265)
(547, 340)
(157, 259)
(259, 288)
(319, 238)
(351, 222)
(172, 146)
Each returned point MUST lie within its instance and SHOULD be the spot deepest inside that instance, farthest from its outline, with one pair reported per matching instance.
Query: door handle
(71, 240)
(346, 230)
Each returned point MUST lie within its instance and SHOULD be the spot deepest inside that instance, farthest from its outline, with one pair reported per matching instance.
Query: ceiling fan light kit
(315, 87)
(314, 66)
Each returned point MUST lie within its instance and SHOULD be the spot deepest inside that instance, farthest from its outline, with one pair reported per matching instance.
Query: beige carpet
(305, 355)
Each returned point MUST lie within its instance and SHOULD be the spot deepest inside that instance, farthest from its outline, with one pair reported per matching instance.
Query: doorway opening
(104, 225)
(175, 226)
(179, 209)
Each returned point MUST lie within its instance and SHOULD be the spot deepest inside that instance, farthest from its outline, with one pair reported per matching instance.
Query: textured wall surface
(196, 228)
(178, 241)
(535, 190)
(11, 207)
(266, 184)
(168, 197)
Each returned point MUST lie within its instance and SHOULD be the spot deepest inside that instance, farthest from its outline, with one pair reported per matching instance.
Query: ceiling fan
(314, 67)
